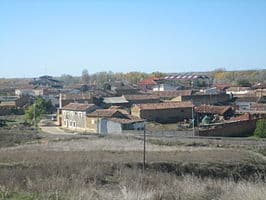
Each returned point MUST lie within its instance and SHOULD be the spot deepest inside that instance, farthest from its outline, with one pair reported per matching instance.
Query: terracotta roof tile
(243, 117)
(149, 81)
(103, 113)
(165, 105)
(78, 106)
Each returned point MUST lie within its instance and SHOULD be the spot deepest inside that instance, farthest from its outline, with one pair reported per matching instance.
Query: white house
(74, 115)
(163, 87)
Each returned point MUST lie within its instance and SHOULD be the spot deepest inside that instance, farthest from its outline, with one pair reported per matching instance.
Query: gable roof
(221, 110)
(172, 94)
(125, 121)
(82, 96)
(222, 86)
(141, 97)
(165, 105)
(104, 113)
(149, 81)
(78, 106)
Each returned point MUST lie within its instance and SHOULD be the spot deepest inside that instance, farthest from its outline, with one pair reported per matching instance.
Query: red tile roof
(222, 86)
(149, 81)
(165, 105)
(78, 106)
(110, 114)
(243, 117)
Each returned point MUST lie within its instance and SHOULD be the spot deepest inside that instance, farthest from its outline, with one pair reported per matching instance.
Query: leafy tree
(260, 128)
(39, 108)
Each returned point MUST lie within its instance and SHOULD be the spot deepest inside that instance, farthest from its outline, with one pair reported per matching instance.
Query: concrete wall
(102, 126)
(232, 129)
(114, 127)
(106, 127)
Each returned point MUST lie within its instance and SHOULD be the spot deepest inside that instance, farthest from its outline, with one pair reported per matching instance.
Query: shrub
(260, 128)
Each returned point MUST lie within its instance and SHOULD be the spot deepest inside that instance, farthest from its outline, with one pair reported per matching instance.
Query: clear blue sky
(61, 36)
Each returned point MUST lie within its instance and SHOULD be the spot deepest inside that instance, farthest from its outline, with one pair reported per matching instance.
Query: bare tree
(85, 76)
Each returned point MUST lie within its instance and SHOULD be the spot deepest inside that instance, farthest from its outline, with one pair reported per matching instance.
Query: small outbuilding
(105, 121)
(166, 112)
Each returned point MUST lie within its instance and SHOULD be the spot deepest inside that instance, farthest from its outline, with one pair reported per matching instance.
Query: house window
(92, 121)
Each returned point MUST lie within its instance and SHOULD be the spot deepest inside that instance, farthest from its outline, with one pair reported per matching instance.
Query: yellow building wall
(91, 124)
(135, 111)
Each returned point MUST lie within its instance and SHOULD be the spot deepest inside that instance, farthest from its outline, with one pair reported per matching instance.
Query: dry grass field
(90, 167)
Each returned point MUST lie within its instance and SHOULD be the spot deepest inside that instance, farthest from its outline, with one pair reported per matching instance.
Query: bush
(260, 128)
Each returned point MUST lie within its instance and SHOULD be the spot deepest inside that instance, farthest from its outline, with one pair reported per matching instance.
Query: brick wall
(166, 115)
(232, 129)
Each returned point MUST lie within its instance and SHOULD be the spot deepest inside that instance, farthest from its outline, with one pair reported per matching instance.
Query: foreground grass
(111, 168)
(84, 175)
(131, 185)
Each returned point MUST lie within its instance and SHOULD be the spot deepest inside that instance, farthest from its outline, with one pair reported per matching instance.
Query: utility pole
(193, 126)
(34, 115)
(144, 148)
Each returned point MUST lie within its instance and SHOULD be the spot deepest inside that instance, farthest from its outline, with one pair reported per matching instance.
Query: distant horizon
(66, 36)
(79, 75)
